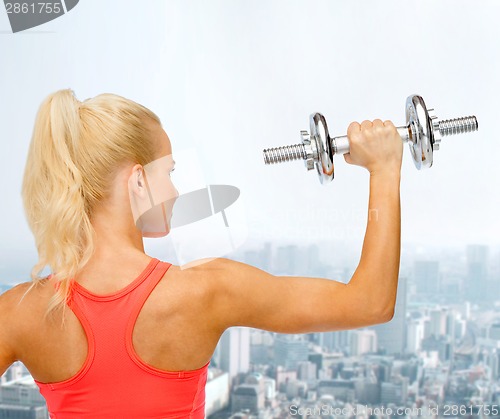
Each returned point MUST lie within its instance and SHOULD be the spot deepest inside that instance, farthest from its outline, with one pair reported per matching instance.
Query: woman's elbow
(387, 315)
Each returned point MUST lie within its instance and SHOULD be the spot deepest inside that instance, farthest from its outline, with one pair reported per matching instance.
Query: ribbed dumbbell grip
(285, 153)
(458, 125)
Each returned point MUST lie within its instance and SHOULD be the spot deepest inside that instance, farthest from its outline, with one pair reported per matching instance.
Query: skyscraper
(289, 350)
(477, 286)
(334, 341)
(363, 341)
(427, 276)
(437, 318)
(414, 335)
(391, 336)
(234, 353)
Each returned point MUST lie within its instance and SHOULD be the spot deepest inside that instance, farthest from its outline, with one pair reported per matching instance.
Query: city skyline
(11, 272)
(440, 332)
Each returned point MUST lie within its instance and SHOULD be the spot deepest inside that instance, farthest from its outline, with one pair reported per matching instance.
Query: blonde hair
(75, 150)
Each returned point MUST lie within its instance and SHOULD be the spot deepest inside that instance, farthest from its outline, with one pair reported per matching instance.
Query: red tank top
(113, 382)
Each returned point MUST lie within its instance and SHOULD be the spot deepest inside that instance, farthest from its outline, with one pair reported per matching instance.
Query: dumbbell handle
(340, 144)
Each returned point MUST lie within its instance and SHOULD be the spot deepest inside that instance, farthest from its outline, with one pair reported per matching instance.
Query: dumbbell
(423, 133)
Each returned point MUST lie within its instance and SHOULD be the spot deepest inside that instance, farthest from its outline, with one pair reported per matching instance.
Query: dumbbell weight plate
(421, 137)
(319, 134)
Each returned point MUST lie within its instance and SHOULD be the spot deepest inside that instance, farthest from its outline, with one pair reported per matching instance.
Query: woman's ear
(137, 183)
(138, 194)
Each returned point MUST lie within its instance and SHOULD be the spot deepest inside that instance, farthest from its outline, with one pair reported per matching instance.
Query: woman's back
(165, 352)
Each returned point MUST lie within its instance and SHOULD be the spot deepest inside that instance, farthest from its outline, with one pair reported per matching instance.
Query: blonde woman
(140, 333)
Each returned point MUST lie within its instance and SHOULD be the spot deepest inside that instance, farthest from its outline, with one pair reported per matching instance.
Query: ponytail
(74, 151)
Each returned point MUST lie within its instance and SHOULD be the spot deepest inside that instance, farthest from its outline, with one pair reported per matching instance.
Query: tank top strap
(136, 302)
(143, 291)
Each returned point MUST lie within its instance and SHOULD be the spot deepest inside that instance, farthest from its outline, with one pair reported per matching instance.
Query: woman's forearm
(377, 273)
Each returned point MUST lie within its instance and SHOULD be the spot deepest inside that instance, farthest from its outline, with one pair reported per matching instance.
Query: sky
(231, 78)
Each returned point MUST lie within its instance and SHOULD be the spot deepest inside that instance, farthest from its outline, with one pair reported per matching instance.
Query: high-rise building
(391, 336)
(269, 388)
(442, 345)
(494, 364)
(451, 323)
(282, 375)
(315, 267)
(266, 257)
(15, 372)
(395, 391)
(306, 371)
(296, 388)
(216, 391)
(414, 335)
(338, 388)
(478, 287)
(316, 359)
(247, 396)
(363, 341)
(493, 331)
(460, 328)
(426, 275)
(334, 341)
(234, 351)
(261, 346)
(289, 350)
(437, 319)
(20, 398)
(367, 390)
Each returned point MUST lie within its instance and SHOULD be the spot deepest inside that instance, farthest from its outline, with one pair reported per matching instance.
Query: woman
(141, 332)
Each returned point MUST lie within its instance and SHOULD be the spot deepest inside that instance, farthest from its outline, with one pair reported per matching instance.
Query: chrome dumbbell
(423, 133)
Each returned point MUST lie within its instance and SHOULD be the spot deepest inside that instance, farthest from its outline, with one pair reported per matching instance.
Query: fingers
(353, 128)
(366, 124)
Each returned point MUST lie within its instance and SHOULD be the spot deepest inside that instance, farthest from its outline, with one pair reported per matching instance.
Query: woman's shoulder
(205, 270)
(198, 278)
(24, 296)
(22, 287)
(14, 293)
(13, 305)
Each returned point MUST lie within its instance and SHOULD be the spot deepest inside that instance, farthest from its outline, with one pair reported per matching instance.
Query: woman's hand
(376, 145)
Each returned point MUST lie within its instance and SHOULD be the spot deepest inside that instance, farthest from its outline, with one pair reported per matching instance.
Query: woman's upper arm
(244, 295)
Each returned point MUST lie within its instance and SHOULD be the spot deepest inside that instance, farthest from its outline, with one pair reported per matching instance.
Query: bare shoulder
(12, 296)
(18, 293)
(203, 279)
(23, 302)
(214, 265)
(212, 272)
(200, 275)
